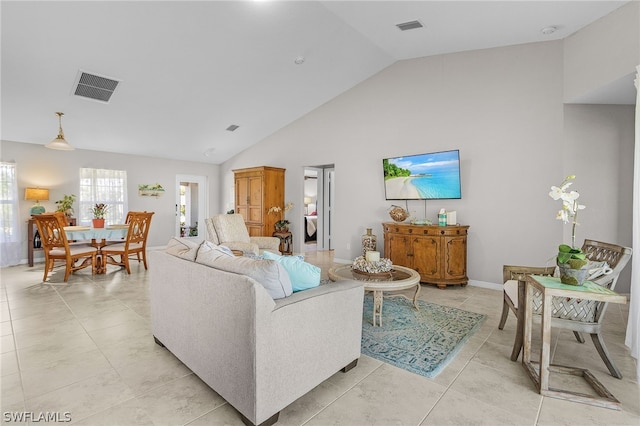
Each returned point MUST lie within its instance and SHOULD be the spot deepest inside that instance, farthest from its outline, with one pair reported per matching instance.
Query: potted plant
(572, 262)
(282, 225)
(99, 211)
(66, 205)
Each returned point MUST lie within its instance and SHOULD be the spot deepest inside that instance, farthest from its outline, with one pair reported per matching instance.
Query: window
(10, 244)
(102, 186)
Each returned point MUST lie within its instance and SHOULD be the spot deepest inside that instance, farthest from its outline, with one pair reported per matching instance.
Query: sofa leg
(158, 342)
(350, 365)
(271, 420)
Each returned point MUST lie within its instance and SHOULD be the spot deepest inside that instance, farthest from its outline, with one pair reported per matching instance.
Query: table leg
(415, 297)
(526, 326)
(377, 307)
(545, 337)
(101, 260)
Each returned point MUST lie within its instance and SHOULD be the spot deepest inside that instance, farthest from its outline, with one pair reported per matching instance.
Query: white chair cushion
(74, 250)
(230, 227)
(120, 247)
(211, 231)
(511, 288)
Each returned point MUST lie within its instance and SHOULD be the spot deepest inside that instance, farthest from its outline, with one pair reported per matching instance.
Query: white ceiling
(191, 69)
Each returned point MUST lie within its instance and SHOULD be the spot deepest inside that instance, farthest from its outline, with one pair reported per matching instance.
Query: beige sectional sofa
(258, 353)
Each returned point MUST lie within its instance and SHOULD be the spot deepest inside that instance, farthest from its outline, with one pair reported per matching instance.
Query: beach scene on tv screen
(425, 176)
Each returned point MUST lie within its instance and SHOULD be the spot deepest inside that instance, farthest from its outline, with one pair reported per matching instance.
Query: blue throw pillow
(303, 275)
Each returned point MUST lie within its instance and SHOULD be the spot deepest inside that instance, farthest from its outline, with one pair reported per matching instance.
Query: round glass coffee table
(399, 278)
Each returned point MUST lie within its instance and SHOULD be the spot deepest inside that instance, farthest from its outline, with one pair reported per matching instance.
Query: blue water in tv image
(425, 176)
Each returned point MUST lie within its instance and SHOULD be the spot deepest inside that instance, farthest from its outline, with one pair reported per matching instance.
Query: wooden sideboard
(31, 232)
(437, 253)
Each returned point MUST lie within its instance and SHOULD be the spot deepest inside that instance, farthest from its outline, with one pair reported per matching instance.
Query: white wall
(598, 148)
(59, 171)
(501, 107)
(603, 52)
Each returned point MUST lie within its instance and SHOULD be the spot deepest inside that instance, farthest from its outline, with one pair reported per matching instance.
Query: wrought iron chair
(135, 243)
(57, 247)
(584, 316)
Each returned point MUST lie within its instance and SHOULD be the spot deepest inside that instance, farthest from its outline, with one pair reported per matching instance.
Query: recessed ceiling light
(299, 60)
(548, 30)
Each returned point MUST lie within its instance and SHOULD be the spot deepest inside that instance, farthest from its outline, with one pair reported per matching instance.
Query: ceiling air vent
(96, 87)
(412, 25)
(232, 128)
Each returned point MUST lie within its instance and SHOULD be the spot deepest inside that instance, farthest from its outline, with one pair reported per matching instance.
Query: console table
(550, 287)
(437, 253)
(31, 231)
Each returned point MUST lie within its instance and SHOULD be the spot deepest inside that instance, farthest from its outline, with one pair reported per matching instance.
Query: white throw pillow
(183, 248)
(208, 252)
(273, 277)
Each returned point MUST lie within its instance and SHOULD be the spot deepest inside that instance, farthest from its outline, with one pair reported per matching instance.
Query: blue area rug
(422, 341)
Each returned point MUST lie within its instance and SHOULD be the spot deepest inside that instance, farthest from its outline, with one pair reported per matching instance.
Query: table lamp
(307, 201)
(37, 194)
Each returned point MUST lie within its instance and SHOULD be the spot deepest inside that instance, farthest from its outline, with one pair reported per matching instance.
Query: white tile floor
(86, 348)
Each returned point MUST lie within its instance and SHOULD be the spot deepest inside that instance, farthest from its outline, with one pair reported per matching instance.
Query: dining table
(99, 238)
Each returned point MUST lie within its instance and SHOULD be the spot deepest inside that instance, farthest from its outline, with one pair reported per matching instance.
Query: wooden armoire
(257, 190)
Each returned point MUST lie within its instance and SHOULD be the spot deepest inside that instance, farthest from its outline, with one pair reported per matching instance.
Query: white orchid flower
(555, 193)
(570, 204)
(563, 216)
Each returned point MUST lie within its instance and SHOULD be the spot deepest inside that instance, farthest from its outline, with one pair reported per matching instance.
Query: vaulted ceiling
(189, 70)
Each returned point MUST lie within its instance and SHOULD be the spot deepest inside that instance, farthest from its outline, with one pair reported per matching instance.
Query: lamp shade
(307, 200)
(59, 142)
(36, 194)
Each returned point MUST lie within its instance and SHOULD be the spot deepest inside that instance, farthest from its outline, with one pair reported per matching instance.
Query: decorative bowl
(398, 214)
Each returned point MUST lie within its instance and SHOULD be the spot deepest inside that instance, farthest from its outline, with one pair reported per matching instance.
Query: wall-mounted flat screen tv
(432, 176)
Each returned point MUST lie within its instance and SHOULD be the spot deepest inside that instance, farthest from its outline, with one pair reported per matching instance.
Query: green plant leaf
(563, 257)
(563, 248)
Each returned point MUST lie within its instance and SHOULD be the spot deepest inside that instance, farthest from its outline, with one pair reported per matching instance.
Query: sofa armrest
(247, 248)
(305, 339)
(331, 287)
(269, 243)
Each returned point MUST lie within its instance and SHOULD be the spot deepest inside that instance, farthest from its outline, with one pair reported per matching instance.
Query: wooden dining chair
(135, 243)
(57, 248)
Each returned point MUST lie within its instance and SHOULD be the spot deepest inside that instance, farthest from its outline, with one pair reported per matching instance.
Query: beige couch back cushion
(269, 273)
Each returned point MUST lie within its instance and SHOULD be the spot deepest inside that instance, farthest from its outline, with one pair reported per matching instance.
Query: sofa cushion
(183, 248)
(303, 275)
(209, 251)
(269, 273)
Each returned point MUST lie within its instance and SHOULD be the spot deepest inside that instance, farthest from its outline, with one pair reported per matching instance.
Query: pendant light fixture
(59, 142)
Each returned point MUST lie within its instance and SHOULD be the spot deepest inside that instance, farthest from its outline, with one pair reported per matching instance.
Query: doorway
(319, 184)
(192, 206)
